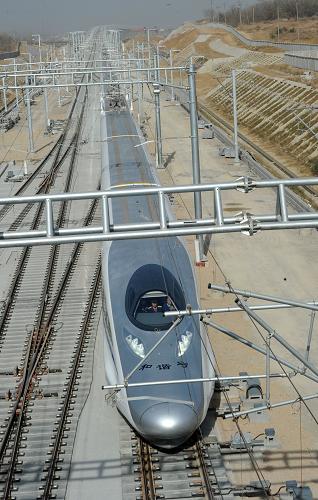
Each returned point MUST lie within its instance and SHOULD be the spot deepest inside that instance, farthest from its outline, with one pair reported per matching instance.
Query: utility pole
(196, 176)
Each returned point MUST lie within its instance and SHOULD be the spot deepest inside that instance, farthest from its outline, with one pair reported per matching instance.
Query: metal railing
(246, 223)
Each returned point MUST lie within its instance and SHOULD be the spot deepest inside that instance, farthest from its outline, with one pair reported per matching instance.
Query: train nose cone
(168, 425)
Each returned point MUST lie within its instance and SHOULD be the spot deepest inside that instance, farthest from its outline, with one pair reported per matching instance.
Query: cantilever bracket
(248, 184)
(253, 224)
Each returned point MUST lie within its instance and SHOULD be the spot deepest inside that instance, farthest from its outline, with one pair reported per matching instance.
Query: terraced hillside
(245, 61)
(281, 111)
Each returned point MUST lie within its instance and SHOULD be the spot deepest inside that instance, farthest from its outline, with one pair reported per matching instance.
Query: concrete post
(196, 176)
(29, 116)
(236, 144)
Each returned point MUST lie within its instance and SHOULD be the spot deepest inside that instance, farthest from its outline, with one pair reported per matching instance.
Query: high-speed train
(142, 279)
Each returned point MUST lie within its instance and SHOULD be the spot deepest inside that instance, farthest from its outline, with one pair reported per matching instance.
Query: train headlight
(184, 343)
(136, 346)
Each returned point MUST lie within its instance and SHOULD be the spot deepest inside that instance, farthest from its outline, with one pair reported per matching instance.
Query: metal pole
(148, 40)
(156, 91)
(251, 345)
(174, 324)
(236, 145)
(46, 109)
(311, 326)
(171, 76)
(15, 84)
(4, 96)
(139, 87)
(274, 405)
(196, 176)
(245, 293)
(59, 96)
(268, 367)
(218, 310)
(278, 337)
(191, 381)
(40, 53)
(29, 115)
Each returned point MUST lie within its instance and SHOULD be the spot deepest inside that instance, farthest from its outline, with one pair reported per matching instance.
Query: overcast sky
(59, 16)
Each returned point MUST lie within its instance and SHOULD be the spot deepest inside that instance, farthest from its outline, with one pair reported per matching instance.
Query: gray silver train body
(141, 278)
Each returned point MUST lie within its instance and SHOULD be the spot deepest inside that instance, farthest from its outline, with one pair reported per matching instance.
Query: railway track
(45, 289)
(42, 412)
(28, 255)
(149, 474)
(55, 307)
(34, 184)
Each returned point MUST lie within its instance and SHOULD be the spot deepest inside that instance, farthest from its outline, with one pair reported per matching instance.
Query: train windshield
(150, 308)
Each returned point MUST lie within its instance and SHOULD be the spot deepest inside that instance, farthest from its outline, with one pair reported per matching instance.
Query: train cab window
(151, 291)
(150, 308)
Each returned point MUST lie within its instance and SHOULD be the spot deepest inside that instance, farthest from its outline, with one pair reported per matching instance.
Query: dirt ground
(305, 30)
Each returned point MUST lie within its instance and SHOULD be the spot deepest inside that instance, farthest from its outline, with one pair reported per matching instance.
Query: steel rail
(207, 487)
(148, 486)
(68, 396)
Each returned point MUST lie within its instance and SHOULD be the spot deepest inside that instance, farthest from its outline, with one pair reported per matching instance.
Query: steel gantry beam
(245, 223)
(88, 76)
(18, 69)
